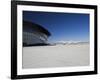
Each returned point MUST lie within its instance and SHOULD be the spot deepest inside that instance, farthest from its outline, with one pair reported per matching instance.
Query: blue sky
(62, 26)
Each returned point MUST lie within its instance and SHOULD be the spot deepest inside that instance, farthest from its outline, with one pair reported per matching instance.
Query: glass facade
(33, 38)
(34, 34)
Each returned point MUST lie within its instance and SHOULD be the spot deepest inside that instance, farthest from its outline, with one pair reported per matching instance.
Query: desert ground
(56, 56)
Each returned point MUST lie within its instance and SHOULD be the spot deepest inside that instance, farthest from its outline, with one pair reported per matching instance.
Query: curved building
(34, 34)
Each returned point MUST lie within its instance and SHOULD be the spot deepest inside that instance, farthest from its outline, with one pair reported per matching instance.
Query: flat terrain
(56, 56)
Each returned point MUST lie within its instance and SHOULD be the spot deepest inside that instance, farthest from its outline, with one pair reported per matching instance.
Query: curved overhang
(36, 27)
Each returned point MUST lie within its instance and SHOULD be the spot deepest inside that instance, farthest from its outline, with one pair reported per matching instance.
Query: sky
(62, 26)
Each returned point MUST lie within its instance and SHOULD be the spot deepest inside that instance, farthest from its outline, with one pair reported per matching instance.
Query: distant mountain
(68, 42)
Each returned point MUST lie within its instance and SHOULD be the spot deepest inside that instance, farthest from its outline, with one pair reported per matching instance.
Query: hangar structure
(34, 34)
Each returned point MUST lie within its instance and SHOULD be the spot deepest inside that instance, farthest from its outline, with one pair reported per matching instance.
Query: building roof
(36, 27)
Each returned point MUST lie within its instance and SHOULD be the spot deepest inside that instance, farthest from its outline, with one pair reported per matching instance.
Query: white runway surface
(56, 56)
